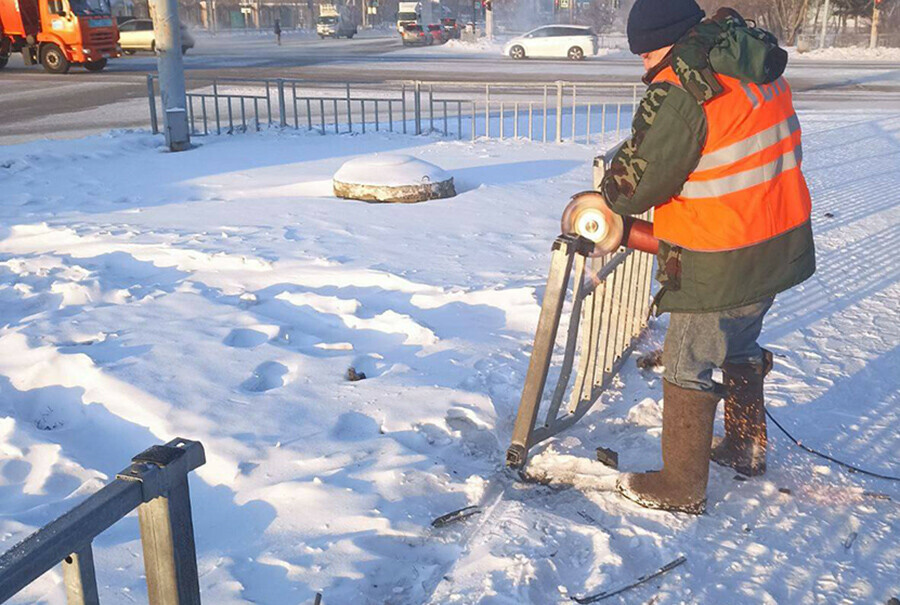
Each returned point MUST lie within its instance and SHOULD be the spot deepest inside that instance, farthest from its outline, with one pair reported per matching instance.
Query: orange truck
(58, 33)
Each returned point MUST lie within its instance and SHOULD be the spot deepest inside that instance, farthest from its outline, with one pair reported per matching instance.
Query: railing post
(418, 107)
(349, 112)
(170, 558)
(151, 97)
(487, 110)
(216, 101)
(167, 531)
(559, 107)
(80, 578)
(402, 105)
(282, 112)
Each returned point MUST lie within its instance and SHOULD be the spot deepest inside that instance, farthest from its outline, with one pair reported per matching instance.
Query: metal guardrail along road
(588, 112)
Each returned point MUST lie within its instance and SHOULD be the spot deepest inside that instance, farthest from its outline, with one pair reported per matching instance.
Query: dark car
(412, 34)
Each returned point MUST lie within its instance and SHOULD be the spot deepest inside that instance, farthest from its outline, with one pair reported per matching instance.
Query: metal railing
(156, 484)
(610, 304)
(557, 111)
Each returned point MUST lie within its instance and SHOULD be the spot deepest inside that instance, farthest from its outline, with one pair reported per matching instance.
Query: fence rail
(559, 111)
(155, 484)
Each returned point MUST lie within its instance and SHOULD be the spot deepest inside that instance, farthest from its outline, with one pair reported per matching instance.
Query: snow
(221, 294)
(390, 170)
(848, 54)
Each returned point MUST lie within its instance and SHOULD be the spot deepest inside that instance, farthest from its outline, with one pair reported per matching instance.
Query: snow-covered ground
(850, 53)
(222, 294)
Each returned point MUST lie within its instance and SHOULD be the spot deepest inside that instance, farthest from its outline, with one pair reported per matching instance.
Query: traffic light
(487, 5)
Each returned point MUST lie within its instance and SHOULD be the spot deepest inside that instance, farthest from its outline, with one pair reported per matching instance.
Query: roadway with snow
(40, 105)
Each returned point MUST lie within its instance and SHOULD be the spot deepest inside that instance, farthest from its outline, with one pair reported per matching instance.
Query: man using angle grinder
(715, 149)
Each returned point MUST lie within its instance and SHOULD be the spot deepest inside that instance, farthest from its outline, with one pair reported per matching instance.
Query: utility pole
(825, 23)
(489, 19)
(167, 32)
(876, 15)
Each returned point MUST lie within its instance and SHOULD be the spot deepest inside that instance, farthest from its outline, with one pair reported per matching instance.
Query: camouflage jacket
(668, 134)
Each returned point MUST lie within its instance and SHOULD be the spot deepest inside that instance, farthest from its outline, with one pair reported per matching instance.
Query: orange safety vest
(748, 186)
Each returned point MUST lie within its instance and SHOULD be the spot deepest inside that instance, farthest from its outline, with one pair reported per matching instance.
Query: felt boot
(688, 417)
(744, 446)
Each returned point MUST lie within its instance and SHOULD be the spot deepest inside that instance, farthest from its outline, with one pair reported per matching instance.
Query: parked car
(413, 34)
(572, 41)
(438, 33)
(137, 34)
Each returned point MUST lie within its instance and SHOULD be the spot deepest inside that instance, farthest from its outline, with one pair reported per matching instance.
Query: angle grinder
(588, 215)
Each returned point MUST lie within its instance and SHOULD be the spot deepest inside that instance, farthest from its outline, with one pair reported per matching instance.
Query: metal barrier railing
(610, 305)
(557, 111)
(156, 484)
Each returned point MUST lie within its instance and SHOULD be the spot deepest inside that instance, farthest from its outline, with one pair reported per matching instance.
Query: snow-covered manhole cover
(392, 178)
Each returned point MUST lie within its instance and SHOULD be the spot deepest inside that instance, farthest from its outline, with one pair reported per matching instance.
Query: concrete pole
(825, 23)
(876, 15)
(167, 32)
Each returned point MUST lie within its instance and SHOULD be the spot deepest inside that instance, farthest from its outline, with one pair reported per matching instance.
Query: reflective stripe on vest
(747, 186)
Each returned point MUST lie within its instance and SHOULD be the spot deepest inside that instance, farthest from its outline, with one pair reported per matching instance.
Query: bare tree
(790, 16)
(600, 15)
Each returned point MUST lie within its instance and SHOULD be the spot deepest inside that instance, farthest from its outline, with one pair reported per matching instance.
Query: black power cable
(846, 465)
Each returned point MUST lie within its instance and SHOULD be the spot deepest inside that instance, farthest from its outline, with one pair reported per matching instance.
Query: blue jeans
(697, 343)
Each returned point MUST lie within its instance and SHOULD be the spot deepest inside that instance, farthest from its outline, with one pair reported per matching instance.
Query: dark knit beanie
(655, 24)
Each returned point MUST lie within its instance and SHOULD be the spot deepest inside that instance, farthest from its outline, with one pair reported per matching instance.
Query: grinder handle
(638, 234)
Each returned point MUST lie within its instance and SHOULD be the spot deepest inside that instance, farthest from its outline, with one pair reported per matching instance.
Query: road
(39, 105)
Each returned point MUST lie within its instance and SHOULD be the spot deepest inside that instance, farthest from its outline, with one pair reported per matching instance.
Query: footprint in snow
(245, 338)
(476, 438)
(267, 376)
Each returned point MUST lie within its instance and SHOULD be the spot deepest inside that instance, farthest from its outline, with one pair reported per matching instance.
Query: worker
(715, 149)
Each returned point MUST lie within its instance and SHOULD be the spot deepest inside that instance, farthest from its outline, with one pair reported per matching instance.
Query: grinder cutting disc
(588, 215)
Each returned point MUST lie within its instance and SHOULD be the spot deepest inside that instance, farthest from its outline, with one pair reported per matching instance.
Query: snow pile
(481, 46)
(222, 294)
(850, 53)
(390, 170)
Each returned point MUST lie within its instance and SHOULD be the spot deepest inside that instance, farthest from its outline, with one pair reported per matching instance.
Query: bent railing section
(156, 484)
(610, 302)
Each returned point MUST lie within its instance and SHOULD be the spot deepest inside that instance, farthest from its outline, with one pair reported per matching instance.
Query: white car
(572, 41)
(137, 34)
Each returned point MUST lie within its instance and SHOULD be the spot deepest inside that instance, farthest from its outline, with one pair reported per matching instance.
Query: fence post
(487, 110)
(402, 104)
(559, 106)
(80, 578)
(349, 112)
(417, 101)
(170, 558)
(282, 112)
(216, 101)
(151, 96)
(167, 532)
